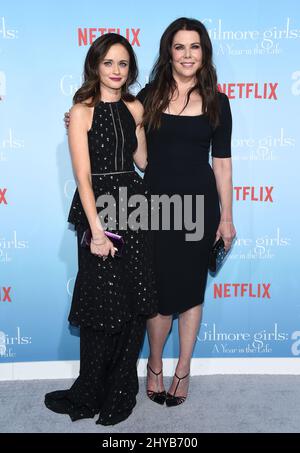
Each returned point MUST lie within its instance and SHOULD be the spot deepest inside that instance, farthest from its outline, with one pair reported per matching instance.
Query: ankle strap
(156, 374)
(180, 378)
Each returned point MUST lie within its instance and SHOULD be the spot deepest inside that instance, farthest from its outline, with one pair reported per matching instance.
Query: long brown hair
(163, 84)
(96, 53)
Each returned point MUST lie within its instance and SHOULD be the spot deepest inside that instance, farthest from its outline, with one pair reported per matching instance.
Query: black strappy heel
(172, 400)
(157, 397)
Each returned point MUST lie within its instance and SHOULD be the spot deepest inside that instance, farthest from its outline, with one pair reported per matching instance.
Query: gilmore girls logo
(7, 343)
(270, 147)
(9, 142)
(10, 244)
(6, 32)
(267, 38)
(241, 342)
(264, 247)
(248, 342)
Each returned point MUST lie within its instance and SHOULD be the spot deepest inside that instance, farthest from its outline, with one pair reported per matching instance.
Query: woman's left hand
(227, 231)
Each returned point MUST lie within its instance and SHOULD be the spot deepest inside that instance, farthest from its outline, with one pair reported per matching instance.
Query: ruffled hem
(107, 185)
(77, 215)
(109, 312)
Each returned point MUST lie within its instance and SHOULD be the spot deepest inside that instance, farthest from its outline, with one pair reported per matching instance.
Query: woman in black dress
(185, 116)
(113, 296)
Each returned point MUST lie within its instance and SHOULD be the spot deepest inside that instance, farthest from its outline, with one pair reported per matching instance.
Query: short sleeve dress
(178, 163)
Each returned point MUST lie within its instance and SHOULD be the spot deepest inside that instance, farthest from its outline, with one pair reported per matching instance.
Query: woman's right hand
(102, 248)
(67, 119)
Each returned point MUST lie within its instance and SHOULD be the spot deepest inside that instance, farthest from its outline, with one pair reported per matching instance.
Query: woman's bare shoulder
(137, 110)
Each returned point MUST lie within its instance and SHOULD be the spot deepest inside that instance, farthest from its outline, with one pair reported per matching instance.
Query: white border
(70, 369)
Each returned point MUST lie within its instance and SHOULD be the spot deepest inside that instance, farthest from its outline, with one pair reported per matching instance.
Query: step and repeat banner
(252, 307)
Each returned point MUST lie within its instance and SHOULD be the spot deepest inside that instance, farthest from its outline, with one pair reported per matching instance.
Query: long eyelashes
(109, 63)
(182, 48)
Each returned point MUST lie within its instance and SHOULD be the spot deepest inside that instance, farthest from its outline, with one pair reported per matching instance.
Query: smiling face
(186, 53)
(114, 68)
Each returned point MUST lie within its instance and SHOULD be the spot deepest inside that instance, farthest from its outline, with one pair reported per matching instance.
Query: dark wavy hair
(96, 53)
(163, 85)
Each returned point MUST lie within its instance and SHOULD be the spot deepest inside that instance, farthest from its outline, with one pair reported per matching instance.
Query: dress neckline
(110, 102)
(183, 116)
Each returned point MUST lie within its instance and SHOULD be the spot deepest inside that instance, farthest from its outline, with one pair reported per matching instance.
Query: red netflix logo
(89, 35)
(4, 294)
(2, 196)
(254, 193)
(244, 290)
(266, 90)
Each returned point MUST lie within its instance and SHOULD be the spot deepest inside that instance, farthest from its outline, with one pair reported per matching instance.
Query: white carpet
(216, 404)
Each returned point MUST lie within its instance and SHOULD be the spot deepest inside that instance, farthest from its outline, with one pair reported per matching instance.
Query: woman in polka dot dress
(113, 296)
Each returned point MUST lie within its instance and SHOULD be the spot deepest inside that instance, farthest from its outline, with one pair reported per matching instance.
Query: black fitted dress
(112, 299)
(178, 163)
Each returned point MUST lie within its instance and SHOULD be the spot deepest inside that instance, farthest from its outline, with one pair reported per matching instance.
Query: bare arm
(140, 154)
(222, 168)
(78, 143)
(80, 118)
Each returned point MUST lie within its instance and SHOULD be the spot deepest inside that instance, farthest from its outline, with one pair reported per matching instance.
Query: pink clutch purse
(116, 239)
